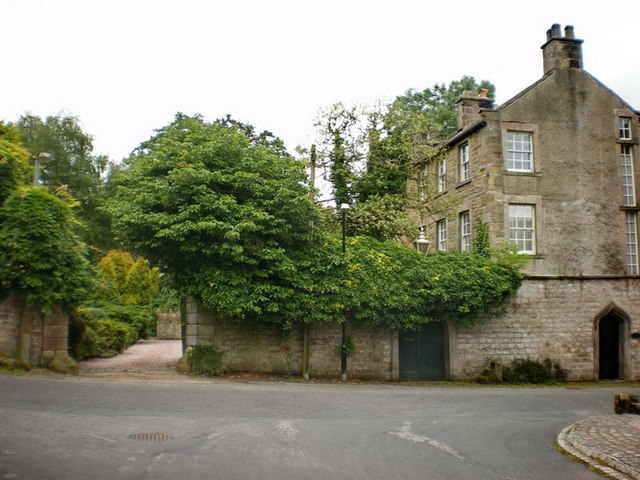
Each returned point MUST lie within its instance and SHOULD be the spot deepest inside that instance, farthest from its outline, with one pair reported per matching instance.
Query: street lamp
(421, 244)
(343, 351)
(36, 168)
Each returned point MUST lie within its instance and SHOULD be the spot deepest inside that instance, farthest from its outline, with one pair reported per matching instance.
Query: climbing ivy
(41, 257)
(386, 284)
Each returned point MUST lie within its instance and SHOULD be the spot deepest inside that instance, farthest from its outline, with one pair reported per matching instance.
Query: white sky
(125, 67)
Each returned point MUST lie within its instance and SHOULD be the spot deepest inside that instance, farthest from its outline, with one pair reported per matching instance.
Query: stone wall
(9, 326)
(29, 334)
(555, 319)
(168, 325)
(272, 351)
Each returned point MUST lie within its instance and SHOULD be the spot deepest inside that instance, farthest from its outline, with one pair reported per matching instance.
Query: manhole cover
(151, 437)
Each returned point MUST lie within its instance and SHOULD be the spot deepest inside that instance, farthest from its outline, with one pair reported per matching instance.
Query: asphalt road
(86, 428)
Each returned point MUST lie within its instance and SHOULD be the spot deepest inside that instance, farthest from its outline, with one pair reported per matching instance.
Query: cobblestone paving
(611, 443)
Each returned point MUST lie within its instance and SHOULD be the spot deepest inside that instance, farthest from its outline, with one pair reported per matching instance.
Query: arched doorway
(422, 353)
(610, 353)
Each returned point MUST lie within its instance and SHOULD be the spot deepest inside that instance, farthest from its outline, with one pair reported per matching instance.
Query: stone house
(551, 171)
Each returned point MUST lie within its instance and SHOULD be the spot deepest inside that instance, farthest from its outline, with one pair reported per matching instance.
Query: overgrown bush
(41, 257)
(104, 338)
(13, 364)
(107, 329)
(205, 360)
(524, 371)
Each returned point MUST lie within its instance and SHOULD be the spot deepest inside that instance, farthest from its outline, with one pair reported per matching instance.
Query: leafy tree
(221, 212)
(340, 128)
(372, 155)
(228, 218)
(126, 280)
(72, 164)
(436, 105)
(41, 257)
(14, 162)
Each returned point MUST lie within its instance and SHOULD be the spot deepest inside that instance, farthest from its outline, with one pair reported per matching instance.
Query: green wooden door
(422, 353)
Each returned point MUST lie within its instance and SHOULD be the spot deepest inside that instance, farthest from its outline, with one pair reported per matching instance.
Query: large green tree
(69, 161)
(218, 208)
(14, 162)
(41, 257)
(228, 218)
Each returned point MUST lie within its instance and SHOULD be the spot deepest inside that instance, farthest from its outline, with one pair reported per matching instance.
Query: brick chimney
(561, 52)
(470, 104)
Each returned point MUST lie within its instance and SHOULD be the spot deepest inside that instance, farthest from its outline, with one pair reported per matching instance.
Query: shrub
(95, 321)
(531, 371)
(112, 336)
(101, 334)
(13, 364)
(127, 280)
(140, 318)
(205, 360)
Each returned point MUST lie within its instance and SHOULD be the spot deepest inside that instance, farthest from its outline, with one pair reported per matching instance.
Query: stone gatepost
(199, 323)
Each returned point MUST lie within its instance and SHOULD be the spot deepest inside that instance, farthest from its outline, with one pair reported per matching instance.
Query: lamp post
(343, 351)
(421, 244)
(36, 168)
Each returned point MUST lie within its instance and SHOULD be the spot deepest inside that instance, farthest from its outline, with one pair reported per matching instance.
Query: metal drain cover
(151, 437)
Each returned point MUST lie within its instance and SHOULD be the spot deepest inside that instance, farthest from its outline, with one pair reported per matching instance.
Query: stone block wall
(168, 325)
(555, 319)
(9, 326)
(272, 351)
(372, 357)
(29, 334)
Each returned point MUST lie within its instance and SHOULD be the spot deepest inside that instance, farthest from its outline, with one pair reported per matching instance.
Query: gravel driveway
(144, 356)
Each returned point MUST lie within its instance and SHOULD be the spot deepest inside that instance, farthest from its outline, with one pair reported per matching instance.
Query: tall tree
(14, 162)
(223, 213)
(372, 155)
(72, 164)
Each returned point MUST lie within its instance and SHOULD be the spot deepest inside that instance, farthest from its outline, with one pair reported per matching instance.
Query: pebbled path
(143, 356)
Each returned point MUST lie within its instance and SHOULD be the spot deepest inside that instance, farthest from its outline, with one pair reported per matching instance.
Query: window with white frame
(632, 242)
(624, 128)
(519, 151)
(522, 231)
(628, 183)
(465, 231)
(463, 158)
(442, 175)
(441, 229)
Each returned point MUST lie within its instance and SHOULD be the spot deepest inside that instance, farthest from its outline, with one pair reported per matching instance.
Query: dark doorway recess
(609, 342)
(422, 353)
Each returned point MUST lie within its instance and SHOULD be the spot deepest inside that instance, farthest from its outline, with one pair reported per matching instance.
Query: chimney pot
(568, 31)
(555, 31)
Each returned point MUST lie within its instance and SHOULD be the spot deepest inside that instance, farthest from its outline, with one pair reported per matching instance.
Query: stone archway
(612, 349)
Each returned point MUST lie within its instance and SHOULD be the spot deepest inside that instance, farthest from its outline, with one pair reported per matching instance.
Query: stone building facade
(552, 171)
